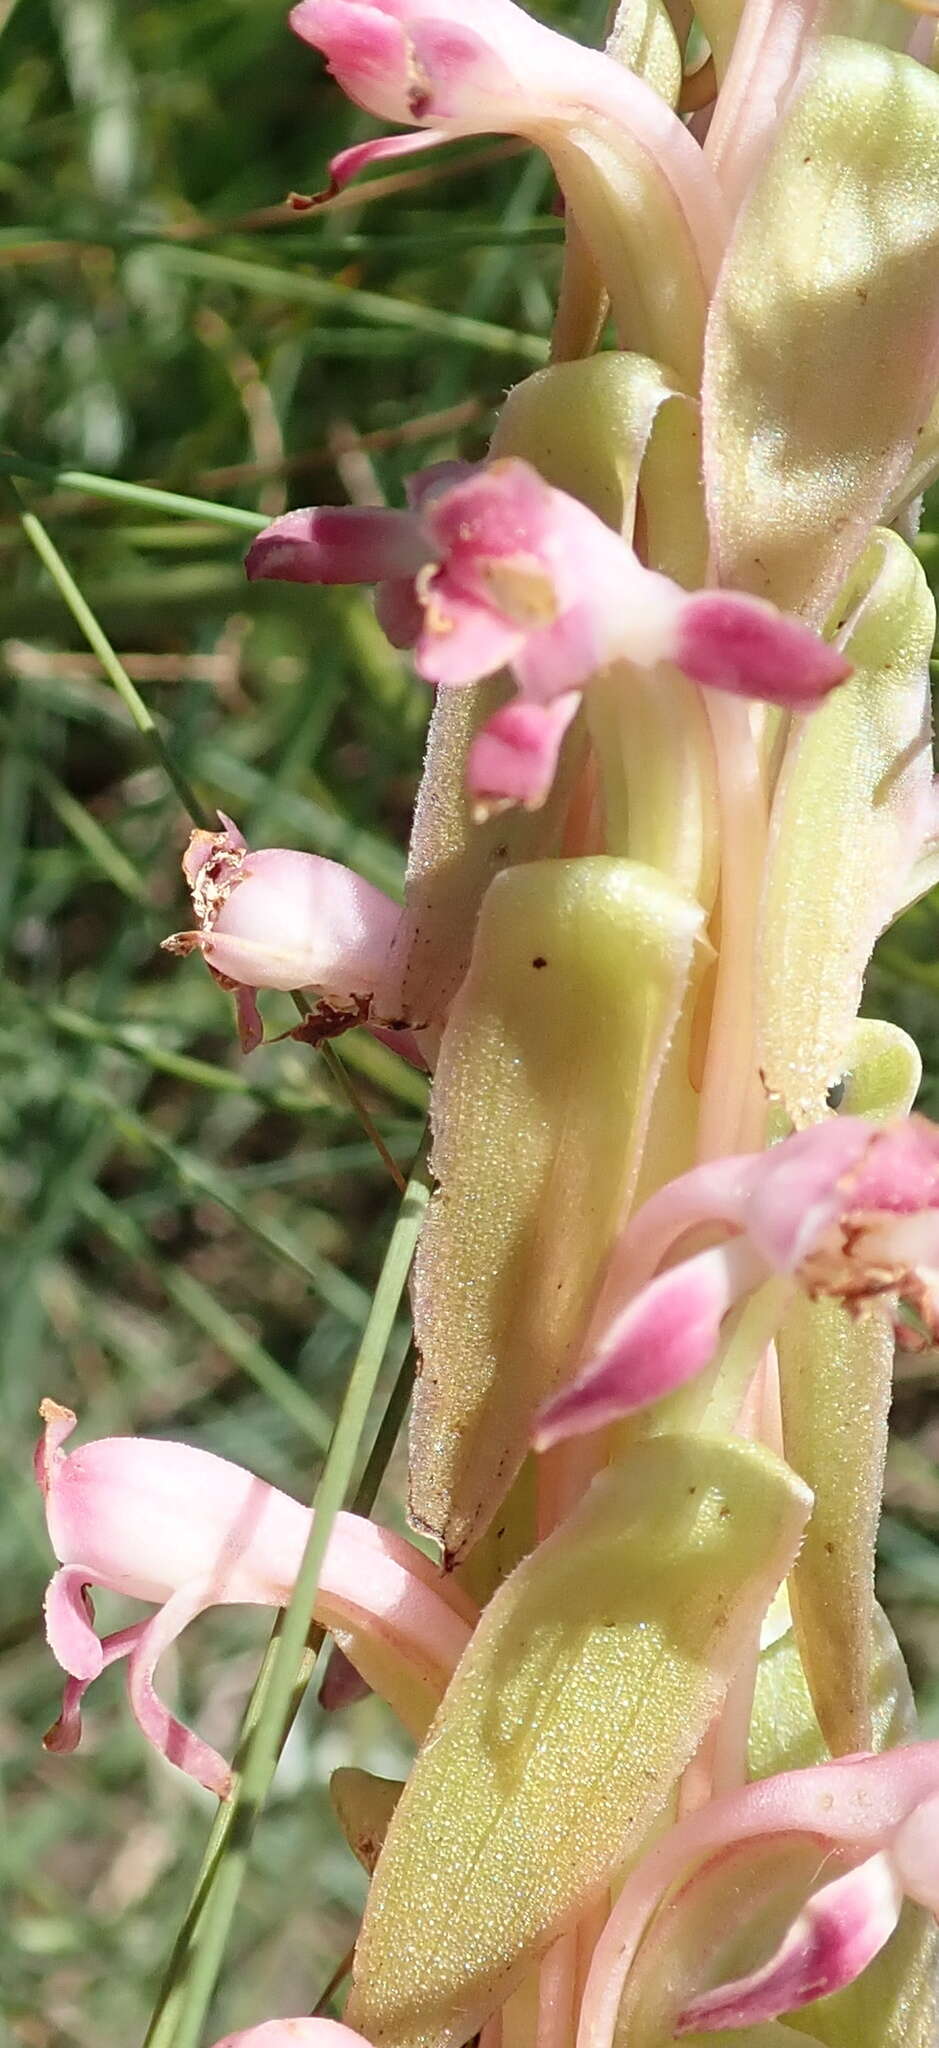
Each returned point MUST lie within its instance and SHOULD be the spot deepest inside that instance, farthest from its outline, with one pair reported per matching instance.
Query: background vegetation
(189, 1240)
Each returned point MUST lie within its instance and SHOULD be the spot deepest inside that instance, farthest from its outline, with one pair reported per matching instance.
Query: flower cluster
(678, 779)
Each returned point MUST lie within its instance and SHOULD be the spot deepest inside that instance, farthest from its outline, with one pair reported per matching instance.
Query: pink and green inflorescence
(668, 1782)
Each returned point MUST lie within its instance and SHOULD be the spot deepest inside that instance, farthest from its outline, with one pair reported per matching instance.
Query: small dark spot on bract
(539, 961)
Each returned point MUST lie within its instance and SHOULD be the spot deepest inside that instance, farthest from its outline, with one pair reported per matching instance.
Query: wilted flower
(274, 918)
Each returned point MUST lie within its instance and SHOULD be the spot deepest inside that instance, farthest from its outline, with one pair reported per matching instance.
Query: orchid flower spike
(848, 1209)
(185, 1530)
(871, 1826)
(285, 920)
(625, 163)
(493, 568)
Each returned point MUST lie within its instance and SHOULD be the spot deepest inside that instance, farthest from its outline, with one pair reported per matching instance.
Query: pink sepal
(337, 544)
(739, 644)
(300, 2033)
(171, 1737)
(841, 1929)
(343, 1685)
(514, 756)
(659, 1342)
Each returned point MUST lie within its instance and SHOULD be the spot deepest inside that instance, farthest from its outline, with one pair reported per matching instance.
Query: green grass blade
(197, 1959)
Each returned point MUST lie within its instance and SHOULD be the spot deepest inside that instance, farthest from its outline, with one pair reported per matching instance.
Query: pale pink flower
(504, 571)
(449, 70)
(274, 918)
(874, 1820)
(847, 1209)
(299, 2033)
(184, 1530)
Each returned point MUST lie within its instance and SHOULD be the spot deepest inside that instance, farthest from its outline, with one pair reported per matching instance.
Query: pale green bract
(823, 337)
(543, 1092)
(612, 1643)
(852, 811)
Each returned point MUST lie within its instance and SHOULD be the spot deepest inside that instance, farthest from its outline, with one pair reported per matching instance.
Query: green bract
(543, 1090)
(851, 811)
(823, 338)
(587, 1686)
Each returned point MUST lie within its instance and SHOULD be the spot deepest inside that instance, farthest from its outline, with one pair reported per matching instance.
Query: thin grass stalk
(199, 1952)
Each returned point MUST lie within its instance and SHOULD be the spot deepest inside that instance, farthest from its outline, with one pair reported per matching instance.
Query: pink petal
(65, 1734)
(366, 49)
(659, 1341)
(461, 640)
(168, 1735)
(797, 1188)
(399, 611)
(302, 2033)
(900, 1169)
(70, 1630)
(337, 544)
(168, 1523)
(205, 846)
(738, 643)
(839, 1932)
(915, 1854)
(513, 758)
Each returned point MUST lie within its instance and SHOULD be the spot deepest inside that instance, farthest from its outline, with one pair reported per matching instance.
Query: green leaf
(822, 337)
(588, 1684)
(851, 808)
(542, 1094)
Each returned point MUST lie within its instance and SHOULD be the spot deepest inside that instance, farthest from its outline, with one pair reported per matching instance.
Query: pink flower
(874, 1821)
(506, 572)
(285, 920)
(619, 153)
(300, 2033)
(848, 1209)
(175, 1526)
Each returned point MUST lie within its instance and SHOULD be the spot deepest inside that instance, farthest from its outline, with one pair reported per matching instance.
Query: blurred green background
(189, 1240)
